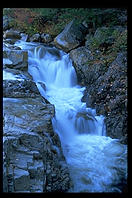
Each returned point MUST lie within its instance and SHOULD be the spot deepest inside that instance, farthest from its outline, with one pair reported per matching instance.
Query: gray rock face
(8, 44)
(24, 37)
(11, 34)
(35, 38)
(33, 160)
(19, 88)
(31, 157)
(17, 73)
(86, 73)
(101, 66)
(46, 38)
(20, 144)
(109, 95)
(71, 37)
(16, 59)
(106, 88)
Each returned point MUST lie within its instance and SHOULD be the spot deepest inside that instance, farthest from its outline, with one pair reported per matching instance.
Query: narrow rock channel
(97, 163)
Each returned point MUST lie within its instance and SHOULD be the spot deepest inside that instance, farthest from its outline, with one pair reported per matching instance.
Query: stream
(97, 163)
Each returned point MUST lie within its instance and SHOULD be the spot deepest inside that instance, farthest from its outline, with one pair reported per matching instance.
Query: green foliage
(46, 12)
(121, 42)
(102, 35)
(22, 19)
(7, 11)
(94, 43)
(53, 20)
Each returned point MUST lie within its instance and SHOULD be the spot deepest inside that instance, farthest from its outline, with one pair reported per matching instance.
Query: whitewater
(97, 163)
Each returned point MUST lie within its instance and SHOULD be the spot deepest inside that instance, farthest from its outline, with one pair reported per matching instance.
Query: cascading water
(96, 162)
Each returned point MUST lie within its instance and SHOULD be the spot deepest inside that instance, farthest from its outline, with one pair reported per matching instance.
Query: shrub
(121, 42)
(22, 19)
(53, 20)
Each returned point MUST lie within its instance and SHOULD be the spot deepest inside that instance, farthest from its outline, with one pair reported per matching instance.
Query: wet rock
(9, 143)
(101, 66)
(8, 44)
(37, 170)
(19, 88)
(37, 155)
(24, 37)
(18, 159)
(11, 34)
(35, 38)
(28, 147)
(108, 95)
(42, 50)
(21, 180)
(31, 140)
(7, 62)
(30, 143)
(71, 37)
(5, 178)
(18, 59)
(83, 60)
(85, 115)
(81, 55)
(46, 38)
(18, 74)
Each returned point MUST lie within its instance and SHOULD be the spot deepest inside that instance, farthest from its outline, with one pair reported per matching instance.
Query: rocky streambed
(33, 159)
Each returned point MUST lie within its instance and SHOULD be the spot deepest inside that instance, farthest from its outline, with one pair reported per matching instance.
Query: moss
(121, 42)
(103, 33)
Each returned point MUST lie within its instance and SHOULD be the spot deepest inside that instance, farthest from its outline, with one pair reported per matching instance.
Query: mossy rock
(121, 42)
(103, 37)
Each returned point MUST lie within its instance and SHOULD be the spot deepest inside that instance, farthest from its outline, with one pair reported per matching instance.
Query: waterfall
(97, 163)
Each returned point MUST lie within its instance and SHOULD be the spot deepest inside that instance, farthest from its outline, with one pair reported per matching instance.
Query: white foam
(96, 162)
(10, 76)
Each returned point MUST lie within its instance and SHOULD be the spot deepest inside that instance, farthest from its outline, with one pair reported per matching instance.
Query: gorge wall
(100, 61)
(33, 160)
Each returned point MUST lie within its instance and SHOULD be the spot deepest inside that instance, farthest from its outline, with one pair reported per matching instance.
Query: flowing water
(97, 163)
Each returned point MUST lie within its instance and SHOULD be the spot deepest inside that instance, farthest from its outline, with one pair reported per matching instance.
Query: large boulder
(17, 83)
(108, 94)
(83, 60)
(104, 73)
(35, 38)
(20, 88)
(46, 38)
(18, 74)
(11, 34)
(8, 44)
(33, 160)
(24, 37)
(16, 59)
(71, 37)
